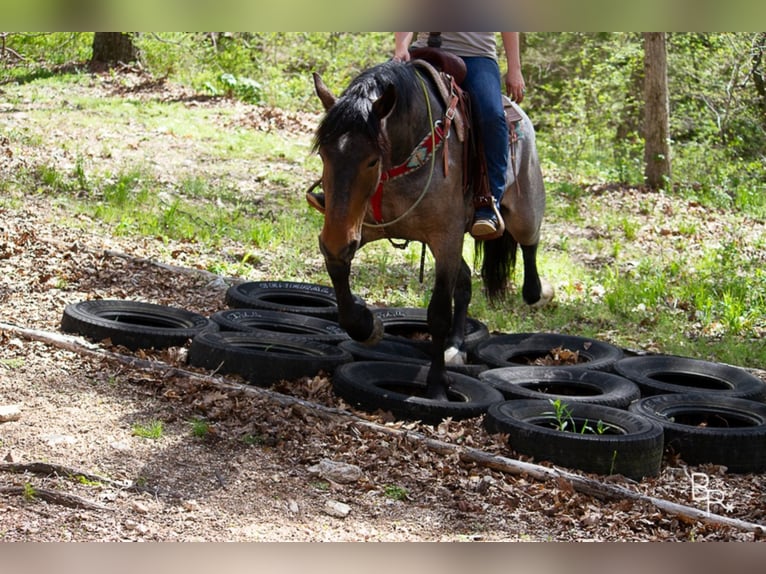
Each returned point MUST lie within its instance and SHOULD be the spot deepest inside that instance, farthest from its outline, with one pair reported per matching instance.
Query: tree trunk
(112, 48)
(759, 74)
(656, 111)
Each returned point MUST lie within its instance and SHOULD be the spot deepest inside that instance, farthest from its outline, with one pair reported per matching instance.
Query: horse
(389, 116)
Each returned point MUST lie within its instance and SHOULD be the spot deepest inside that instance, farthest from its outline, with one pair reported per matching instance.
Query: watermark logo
(703, 491)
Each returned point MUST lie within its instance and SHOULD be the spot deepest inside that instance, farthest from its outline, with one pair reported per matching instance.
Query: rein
(425, 149)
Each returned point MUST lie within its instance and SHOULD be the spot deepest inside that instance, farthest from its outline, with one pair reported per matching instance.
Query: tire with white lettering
(707, 428)
(596, 438)
(411, 324)
(285, 296)
(661, 374)
(569, 385)
(133, 324)
(524, 349)
(395, 349)
(401, 389)
(263, 321)
(264, 359)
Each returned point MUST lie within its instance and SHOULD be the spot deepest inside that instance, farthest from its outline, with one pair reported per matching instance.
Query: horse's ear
(324, 93)
(384, 105)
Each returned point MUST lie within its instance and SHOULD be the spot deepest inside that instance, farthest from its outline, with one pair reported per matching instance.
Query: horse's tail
(498, 260)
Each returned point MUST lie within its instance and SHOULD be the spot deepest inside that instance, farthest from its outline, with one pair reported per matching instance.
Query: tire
(285, 296)
(270, 322)
(395, 350)
(264, 359)
(662, 374)
(411, 324)
(133, 324)
(706, 428)
(634, 448)
(400, 389)
(568, 385)
(521, 349)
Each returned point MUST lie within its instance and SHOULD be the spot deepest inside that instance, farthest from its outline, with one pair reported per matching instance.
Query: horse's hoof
(454, 356)
(437, 393)
(546, 295)
(377, 332)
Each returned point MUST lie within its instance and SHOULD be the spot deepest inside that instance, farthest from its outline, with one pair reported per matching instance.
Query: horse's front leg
(355, 318)
(439, 324)
(454, 352)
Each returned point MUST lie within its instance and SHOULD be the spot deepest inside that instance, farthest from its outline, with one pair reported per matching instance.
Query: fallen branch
(48, 469)
(589, 486)
(52, 496)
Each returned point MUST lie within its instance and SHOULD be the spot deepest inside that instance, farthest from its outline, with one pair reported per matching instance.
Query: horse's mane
(351, 112)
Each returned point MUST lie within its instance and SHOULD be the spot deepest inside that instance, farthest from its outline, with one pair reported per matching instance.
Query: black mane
(351, 112)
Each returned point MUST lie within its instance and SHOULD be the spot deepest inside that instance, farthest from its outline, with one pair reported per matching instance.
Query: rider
(483, 83)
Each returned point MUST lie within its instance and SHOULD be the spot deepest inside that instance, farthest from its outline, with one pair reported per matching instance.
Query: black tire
(265, 322)
(411, 324)
(133, 324)
(522, 349)
(569, 385)
(633, 446)
(661, 374)
(285, 296)
(400, 389)
(706, 428)
(398, 350)
(264, 359)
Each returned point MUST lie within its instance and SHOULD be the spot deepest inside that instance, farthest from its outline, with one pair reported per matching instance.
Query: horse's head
(352, 144)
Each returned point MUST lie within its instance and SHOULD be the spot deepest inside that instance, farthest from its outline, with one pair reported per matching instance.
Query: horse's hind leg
(449, 272)
(535, 291)
(454, 352)
(523, 208)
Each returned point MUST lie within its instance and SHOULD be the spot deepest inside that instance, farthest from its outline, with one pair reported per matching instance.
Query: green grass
(152, 430)
(680, 272)
(15, 363)
(200, 428)
(395, 492)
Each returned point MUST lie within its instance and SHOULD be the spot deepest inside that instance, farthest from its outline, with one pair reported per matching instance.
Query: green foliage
(564, 421)
(263, 67)
(151, 430)
(200, 428)
(395, 492)
(40, 54)
(29, 493)
(585, 98)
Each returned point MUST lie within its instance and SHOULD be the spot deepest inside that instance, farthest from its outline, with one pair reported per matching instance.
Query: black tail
(498, 260)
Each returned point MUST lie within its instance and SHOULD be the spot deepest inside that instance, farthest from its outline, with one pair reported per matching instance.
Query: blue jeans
(484, 84)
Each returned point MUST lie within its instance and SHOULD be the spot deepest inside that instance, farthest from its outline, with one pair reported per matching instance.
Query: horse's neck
(408, 131)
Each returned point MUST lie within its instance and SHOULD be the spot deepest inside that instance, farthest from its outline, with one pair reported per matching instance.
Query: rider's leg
(483, 83)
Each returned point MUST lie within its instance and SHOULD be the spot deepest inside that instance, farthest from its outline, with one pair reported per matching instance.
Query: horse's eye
(373, 163)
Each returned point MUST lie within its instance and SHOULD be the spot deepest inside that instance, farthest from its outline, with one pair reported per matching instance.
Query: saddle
(447, 72)
(447, 84)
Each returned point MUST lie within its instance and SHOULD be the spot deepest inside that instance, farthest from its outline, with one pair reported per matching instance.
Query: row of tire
(638, 406)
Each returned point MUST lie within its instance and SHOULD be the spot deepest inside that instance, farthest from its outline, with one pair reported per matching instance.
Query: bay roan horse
(385, 114)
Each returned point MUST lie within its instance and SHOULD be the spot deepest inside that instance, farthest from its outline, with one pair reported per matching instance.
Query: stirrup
(499, 228)
(316, 198)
